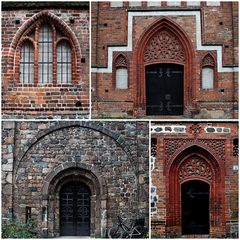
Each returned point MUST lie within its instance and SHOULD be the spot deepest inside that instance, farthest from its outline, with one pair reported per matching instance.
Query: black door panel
(75, 210)
(195, 208)
(164, 89)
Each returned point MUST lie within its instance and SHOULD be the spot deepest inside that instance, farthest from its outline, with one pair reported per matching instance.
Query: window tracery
(46, 56)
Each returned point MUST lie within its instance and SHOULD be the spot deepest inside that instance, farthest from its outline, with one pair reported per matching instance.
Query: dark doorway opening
(164, 89)
(75, 209)
(195, 207)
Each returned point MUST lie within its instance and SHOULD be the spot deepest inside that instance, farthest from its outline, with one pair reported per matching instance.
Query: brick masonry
(45, 100)
(208, 145)
(110, 157)
(110, 30)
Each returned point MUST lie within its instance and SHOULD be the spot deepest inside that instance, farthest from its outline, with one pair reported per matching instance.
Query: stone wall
(116, 152)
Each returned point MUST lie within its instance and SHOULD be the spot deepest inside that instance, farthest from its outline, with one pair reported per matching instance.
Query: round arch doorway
(195, 207)
(164, 89)
(75, 209)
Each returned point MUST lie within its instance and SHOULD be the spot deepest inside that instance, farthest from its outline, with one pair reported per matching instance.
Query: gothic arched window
(46, 56)
(121, 72)
(208, 72)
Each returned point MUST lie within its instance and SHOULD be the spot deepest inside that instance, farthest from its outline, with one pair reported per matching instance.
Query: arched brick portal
(195, 163)
(82, 173)
(165, 42)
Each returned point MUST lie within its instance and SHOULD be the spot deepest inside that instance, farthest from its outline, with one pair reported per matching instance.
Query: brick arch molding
(204, 167)
(169, 27)
(28, 26)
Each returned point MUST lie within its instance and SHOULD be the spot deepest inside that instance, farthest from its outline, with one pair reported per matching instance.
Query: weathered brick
(45, 100)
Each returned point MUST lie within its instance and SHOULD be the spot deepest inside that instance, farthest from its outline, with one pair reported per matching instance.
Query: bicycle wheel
(115, 232)
(138, 232)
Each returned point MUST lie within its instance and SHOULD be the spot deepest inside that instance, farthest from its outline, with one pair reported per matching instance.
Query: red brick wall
(229, 187)
(219, 29)
(36, 100)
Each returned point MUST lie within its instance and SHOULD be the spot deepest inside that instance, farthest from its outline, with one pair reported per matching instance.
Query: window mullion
(54, 46)
(23, 73)
(36, 39)
(28, 66)
(73, 69)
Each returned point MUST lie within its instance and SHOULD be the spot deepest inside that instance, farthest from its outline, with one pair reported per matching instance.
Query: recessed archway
(165, 42)
(195, 163)
(78, 178)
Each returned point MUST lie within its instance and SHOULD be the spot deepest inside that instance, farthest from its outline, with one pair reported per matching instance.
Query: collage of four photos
(119, 119)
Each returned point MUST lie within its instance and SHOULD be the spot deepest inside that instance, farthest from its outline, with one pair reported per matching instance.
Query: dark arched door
(164, 89)
(195, 207)
(75, 210)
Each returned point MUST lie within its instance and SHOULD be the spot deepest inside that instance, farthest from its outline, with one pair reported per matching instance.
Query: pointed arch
(208, 60)
(208, 70)
(194, 162)
(120, 60)
(185, 56)
(45, 15)
(120, 72)
(34, 24)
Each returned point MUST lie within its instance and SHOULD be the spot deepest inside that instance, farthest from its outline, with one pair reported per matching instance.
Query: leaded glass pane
(45, 56)
(64, 66)
(27, 63)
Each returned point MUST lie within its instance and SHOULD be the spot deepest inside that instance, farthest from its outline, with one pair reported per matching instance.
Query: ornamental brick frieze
(217, 146)
(194, 167)
(164, 47)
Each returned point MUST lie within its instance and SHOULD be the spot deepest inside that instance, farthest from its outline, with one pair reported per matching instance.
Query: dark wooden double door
(75, 210)
(164, 89)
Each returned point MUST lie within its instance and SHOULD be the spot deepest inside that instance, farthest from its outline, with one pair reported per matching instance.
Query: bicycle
(136, 229)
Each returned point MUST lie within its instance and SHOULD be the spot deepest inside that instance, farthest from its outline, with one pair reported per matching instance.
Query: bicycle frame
(128, 230)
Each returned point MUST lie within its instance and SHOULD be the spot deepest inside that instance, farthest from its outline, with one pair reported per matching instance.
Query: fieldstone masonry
(110, 157)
